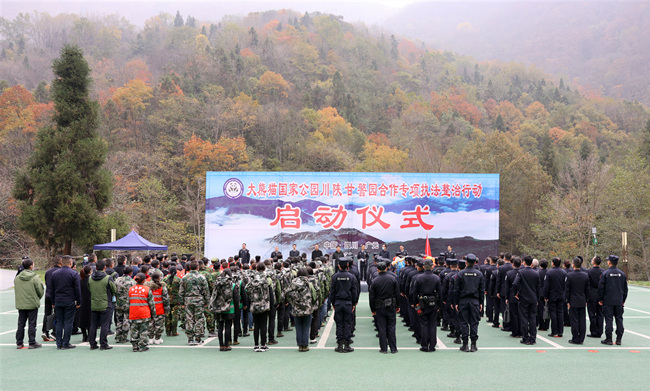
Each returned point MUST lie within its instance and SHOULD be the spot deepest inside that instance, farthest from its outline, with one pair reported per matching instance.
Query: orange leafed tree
(227, 154)
(272, 86)
(19, 110)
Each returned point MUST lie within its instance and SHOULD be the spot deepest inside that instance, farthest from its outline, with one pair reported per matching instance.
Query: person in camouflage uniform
(157, 325)
(194, 294)
(210, 277)
(171, 316)
(140, 326)
(122, 285)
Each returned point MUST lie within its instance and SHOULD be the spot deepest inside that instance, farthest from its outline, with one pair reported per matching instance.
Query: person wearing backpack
(260, 294)
(173, 283)
(223, 302)
(301, 295)
(194, 294)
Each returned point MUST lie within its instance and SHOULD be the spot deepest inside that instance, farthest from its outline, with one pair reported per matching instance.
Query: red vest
(157, 300)
(138, 303)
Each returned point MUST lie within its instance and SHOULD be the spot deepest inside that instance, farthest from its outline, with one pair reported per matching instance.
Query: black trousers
(455, 320)
(428, 329)
(596, 318)
(223, 330)
(287, 317)
(244, 320)
(363, 270)
(23, 316)
(237, 323)
(415, 324)
(496, 305)
(515, 325)
(528, 321)
(489, 308)
(259, 322)
(315, 325)
(100, 319)
(541, 322)
(403, 309)
(48, 311)
(470, 315)
(556, 312)
(502, 306)
(578, 323)
(616, 312)
(343, 319)
(567, 319)
(271, 330)
(385, 319)
(280, 316)
(64, 319)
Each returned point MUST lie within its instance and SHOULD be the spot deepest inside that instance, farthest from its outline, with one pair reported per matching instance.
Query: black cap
(344, 261)
(613, 259)
(472, 258)
(428, 262)
(452, 261)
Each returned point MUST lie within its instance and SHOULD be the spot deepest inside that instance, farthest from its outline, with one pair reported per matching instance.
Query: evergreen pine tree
(394, 47)
(64, 185)
(178, 20)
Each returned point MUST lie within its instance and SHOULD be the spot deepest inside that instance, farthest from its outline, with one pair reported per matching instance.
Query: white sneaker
(264, 348)
(151, 341)
(257, 349)
(158, 341)
(312, 341)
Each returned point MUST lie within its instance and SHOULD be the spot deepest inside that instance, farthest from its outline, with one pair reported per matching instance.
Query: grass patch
(640, 283)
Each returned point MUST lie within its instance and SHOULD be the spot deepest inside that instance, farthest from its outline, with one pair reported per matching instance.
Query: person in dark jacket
(83, 313)
(577, 292)
(526, 288)
(49, 306)
(501, 286)
(425, 298)
(65, 292)
(383, 297)
(384, 252)
(119, 269)
(469, 289)
(343, 296)
(594, 309)
(612, 293)
(554, 295)
(542, 323)
(511, 299)
(244, 254)
(317, 253)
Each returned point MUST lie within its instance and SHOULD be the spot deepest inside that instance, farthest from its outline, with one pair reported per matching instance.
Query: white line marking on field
(441, 344)
(9, 312)
(207, 341)
(637, 317)
(635, 333)
(326, 332)
(14, 330)
(643, 312)
(548, 341)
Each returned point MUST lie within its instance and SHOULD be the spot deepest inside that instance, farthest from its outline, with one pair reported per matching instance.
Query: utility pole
(595, 240)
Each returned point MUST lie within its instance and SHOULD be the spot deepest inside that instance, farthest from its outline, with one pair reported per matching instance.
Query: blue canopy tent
(132, 241)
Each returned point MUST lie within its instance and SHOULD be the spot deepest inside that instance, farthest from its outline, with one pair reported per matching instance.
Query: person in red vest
(161, 301)
(141, 309)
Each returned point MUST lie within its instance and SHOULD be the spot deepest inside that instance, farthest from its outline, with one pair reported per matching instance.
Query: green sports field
(501, 362)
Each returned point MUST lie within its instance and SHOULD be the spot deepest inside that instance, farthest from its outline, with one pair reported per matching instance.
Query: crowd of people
(146, 298)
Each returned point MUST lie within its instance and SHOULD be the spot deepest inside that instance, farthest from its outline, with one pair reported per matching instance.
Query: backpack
(258, 292)
(222, 295)
(300, 297)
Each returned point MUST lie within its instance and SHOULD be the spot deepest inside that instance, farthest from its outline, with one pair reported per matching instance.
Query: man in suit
(594, 310)
(554, 288)
(317, 253)
(577, 291)
(526, 288)
(501, 286)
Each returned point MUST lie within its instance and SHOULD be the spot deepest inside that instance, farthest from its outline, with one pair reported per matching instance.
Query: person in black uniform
(454, 315)
(343, 296)
(450, 254)
(612, 293)
(485, 267)
(526, 288)
(244, 254)
(496, 301)
(425, 292)
(468, 296)
(511, 299)
(336, 255)
(554, 295)
(501, 287)
(384, 252)
(294, 252)
(317, 253)
(383, 296)
(362, 259)
(577, 292)
(276, 254)
(443, 308)
(594, 310)
(404, 291)
(413, 316)
(402, 252)
(542, 323)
